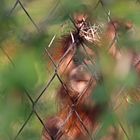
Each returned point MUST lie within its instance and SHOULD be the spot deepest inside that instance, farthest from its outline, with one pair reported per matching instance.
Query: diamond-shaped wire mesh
(77, 73)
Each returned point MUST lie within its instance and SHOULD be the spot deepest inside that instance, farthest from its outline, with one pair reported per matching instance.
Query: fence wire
(73, 102)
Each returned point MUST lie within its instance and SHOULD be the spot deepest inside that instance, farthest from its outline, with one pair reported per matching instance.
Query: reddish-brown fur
(79, 114)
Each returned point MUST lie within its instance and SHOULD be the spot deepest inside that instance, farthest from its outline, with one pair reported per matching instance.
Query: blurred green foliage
(23, 66)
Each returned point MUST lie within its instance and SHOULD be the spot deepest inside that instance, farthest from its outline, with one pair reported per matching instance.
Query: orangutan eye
(76, 60)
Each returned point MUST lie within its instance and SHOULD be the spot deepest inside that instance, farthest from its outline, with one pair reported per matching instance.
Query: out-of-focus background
(26, 29)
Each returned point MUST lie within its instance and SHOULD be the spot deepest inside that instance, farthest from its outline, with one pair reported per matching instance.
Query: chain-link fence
(80, 68)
